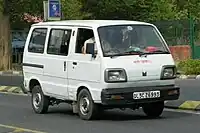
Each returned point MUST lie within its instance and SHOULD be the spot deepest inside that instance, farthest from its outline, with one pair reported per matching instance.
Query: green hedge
(189, 67)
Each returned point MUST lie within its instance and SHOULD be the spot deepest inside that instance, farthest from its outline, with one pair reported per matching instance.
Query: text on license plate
(146, 94)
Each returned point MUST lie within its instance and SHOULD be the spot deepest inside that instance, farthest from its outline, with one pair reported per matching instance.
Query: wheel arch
(94, 91)
(81, 88)
(33, 82)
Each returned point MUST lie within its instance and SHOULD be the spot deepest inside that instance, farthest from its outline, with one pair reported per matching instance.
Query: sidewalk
(10, 72)
(188, 77)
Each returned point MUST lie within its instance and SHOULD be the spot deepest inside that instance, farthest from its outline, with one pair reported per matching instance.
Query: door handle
(64, 65)
(74, 63)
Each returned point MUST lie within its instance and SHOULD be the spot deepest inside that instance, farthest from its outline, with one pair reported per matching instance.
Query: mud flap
(74, 107)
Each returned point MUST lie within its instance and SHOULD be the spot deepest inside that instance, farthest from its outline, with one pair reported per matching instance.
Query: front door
(83, 69)
(55, 70)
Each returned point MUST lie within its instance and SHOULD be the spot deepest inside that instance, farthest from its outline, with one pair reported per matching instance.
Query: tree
(17, 10)
(5, 47)
(162, 10)
(118, 9)
(141, 10)
(1, 7)
(73, 9)
(188, 6)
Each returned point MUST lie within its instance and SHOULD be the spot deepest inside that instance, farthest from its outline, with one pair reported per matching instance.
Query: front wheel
(154, 109)
(87, 109)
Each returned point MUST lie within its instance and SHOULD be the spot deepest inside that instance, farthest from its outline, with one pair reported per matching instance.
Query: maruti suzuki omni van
(96, 65)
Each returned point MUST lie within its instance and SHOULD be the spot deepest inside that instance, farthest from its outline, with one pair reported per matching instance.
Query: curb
(183, 105)
(11, 89)
(10, 72)
(188, 77)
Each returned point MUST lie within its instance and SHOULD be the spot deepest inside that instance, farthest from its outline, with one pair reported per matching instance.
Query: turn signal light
(117, 97)
(173, 92)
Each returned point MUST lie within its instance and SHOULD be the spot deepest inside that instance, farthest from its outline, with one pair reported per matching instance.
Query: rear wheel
(87, 109)
(40, 102)
(154, 109)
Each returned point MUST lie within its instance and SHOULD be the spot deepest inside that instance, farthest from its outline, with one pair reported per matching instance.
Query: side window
(82, 36)
(37, 40)
(59, 42)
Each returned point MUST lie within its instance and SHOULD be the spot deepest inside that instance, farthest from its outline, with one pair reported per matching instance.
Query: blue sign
(54, 9)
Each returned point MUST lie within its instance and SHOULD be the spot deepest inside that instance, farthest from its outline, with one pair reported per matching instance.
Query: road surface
(11, 80)
(16, 115)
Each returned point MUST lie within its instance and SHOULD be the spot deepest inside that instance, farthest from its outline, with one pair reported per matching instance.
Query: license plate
(146, 94)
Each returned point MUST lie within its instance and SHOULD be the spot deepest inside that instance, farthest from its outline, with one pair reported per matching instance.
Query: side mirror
(90, 49)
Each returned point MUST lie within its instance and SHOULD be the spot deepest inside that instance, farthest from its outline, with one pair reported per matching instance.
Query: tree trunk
(5, 44)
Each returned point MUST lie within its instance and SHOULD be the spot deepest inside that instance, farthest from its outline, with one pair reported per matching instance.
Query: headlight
(168, 72)
(115, 75)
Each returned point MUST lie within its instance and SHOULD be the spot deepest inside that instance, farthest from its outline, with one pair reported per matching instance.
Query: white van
(98, 64)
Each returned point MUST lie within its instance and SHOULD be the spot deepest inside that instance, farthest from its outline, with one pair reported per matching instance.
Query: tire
(89, 113)
(153, 109)
(41, 106)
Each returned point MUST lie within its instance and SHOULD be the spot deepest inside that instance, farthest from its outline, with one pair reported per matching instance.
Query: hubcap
(84, 105)
(37, 100)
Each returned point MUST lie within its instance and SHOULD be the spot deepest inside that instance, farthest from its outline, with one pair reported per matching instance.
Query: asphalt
(190, 89)
(11, 80)
(16, 115)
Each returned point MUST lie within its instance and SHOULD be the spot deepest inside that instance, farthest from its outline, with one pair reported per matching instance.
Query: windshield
(130, 39)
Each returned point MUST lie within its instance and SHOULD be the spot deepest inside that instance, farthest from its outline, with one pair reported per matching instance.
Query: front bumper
(124, 96)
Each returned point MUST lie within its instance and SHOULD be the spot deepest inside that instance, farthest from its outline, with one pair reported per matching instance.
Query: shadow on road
(118, 115)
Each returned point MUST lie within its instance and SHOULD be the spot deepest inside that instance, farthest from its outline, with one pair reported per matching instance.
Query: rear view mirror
(90, 49)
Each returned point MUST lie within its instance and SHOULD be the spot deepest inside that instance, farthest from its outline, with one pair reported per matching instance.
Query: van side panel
(33, 62)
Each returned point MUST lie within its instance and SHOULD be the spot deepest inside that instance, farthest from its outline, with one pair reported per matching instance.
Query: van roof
(89, 23)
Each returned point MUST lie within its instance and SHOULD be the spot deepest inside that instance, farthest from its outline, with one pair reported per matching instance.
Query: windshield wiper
(133, 52)
(140, 53)
(128, 53)
(159, 52)
(114, 55)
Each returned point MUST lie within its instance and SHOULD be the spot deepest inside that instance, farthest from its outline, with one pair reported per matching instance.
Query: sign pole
(45, 7)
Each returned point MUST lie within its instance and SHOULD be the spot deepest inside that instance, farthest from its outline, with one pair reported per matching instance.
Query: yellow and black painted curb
(11, 89)
(183, 105)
